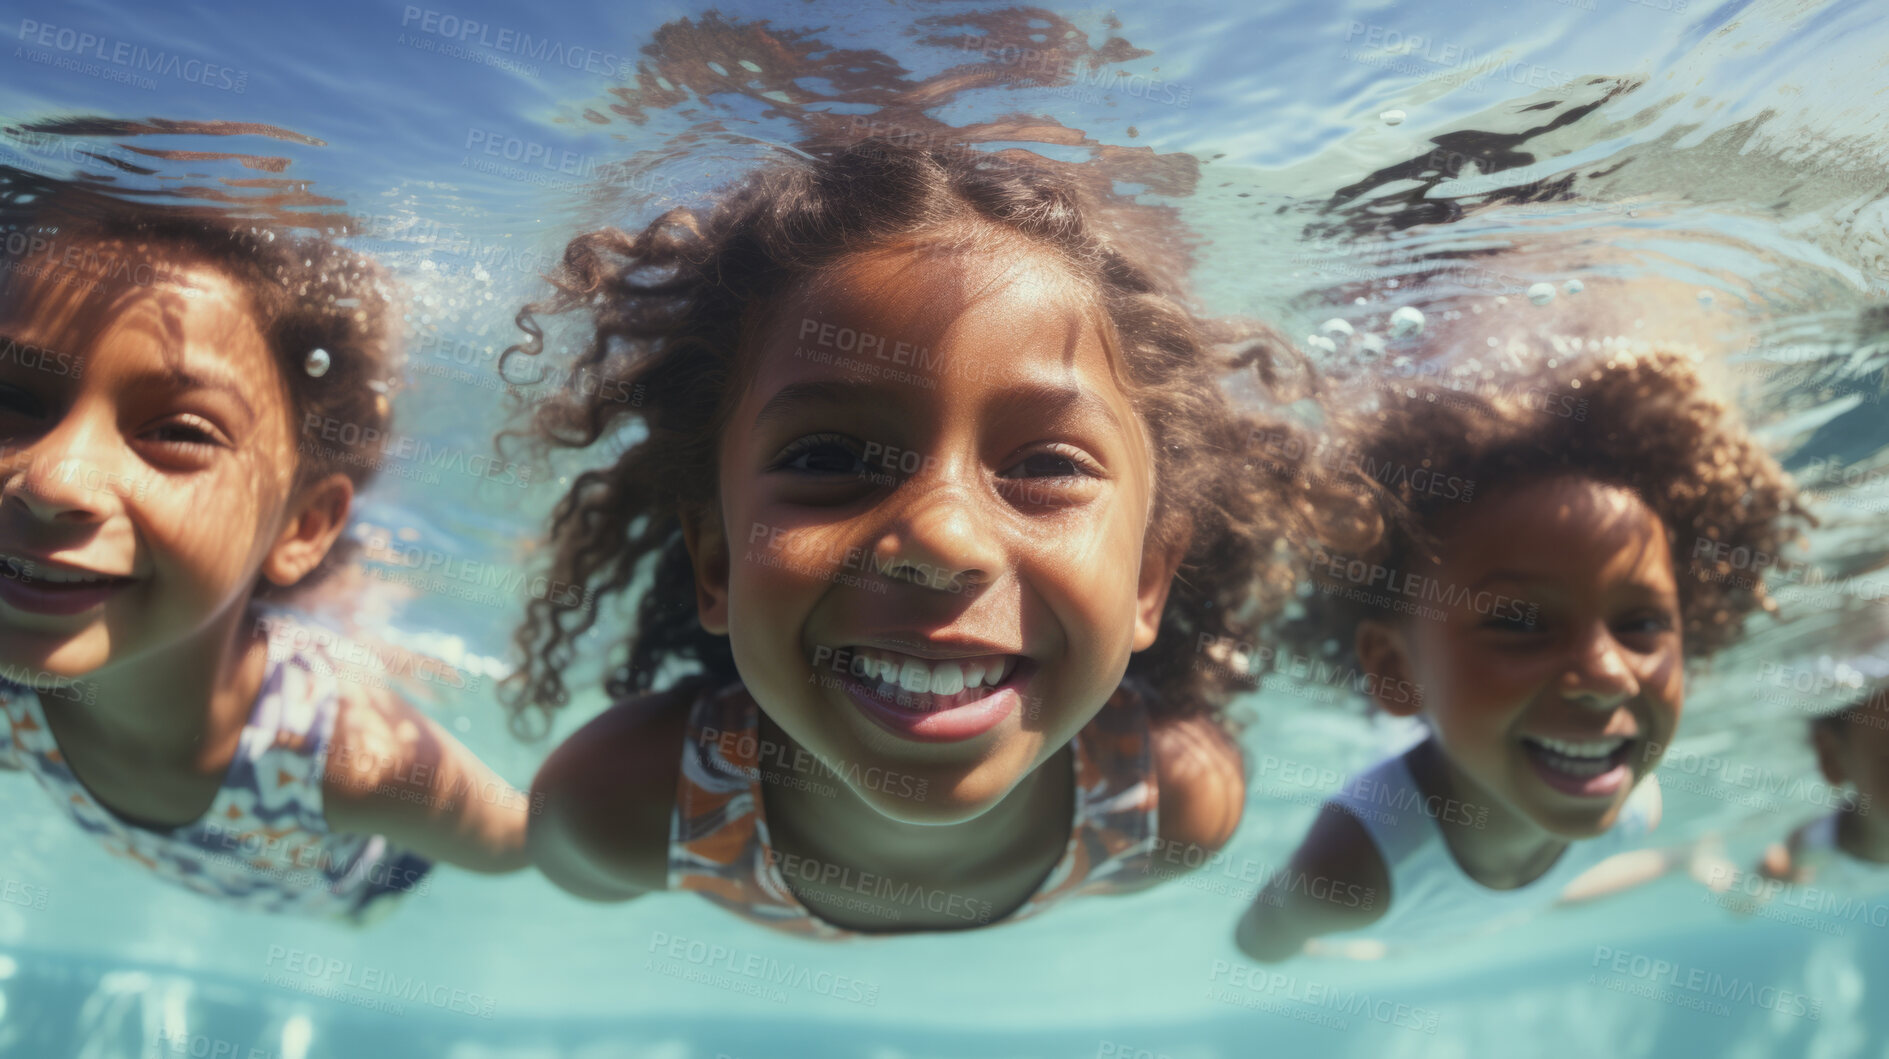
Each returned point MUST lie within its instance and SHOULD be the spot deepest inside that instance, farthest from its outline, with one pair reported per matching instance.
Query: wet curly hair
(670, 309)
(65, 241)
(1425, 448)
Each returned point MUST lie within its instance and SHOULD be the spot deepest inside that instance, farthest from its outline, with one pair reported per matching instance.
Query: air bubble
(1541, 293)
(1406, 322)
(1392, 117)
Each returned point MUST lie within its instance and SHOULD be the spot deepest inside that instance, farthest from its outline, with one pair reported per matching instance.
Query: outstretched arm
(392, 771)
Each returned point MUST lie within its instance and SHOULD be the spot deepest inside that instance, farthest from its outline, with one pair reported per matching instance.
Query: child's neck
(1856, 837)
(161, 729)
(1494, 845)
(1030, 824)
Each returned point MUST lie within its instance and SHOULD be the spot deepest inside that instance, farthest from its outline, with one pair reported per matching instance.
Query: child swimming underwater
(1542, 608)
(1846, 850)
(926, 449)
(157, 368)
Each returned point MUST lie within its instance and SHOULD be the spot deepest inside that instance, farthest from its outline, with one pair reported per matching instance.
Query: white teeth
(1594, 749)
(947, 678)
(36, 572)
(914, 677)
(896, 672)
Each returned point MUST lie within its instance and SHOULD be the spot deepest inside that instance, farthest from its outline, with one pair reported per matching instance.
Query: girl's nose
(1599, 675)
(940, 538)
(57, 479)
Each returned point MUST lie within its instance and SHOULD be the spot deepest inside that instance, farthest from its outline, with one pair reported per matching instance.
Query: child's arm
(391, 771)
(1336, 882)
(606, 795)
(1624, 871)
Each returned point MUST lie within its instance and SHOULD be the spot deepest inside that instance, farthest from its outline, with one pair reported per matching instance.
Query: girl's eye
(1052, 463)
(18, 402)
(1511, 623)
(825, 455)
(1645, 625)
(186, 431)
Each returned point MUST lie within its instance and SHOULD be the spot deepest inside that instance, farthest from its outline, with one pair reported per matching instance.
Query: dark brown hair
(1425, 449)
(669, 309)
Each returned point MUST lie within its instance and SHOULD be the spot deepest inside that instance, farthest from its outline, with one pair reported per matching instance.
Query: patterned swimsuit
(719, 845)
(264, 843)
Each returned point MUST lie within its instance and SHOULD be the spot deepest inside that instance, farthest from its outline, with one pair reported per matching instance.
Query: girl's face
(147, 463)
(933, 502)
(1554, 678)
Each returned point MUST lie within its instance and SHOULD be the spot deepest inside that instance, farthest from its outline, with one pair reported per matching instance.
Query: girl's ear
(1151, 591)
(1385, 654)
(318, 516)
(708, 553)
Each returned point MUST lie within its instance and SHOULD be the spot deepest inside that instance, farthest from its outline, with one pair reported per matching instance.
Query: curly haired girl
(936, 491)
(1550, 551)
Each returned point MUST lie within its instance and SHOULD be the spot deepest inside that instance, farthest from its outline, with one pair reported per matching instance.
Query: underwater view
(927, 530)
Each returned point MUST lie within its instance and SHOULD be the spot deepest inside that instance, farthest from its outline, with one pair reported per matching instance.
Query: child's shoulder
(1201, 775)
(1336, 882)
(1340, 871)
(608, 792)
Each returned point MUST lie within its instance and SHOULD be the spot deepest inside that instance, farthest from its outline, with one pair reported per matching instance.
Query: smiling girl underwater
(1538, 618)
(939, 492)
(159, 370)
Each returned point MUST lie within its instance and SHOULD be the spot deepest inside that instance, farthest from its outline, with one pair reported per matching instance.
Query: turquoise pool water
(1716, 170)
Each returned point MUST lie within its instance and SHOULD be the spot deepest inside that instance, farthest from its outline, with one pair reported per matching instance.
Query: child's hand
(1777, 868)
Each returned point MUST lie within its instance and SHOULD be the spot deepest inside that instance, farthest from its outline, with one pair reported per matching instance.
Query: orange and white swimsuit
(719, 845)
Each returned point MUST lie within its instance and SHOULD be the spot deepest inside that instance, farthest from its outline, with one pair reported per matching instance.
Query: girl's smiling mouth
(40, 587)
(932, 700)
(1592, 767)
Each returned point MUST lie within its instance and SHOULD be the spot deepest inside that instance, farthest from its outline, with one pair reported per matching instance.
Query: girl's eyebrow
(1040, 400)
(184, 379)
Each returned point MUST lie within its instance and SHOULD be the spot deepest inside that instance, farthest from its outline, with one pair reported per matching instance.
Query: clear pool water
(1709, 170)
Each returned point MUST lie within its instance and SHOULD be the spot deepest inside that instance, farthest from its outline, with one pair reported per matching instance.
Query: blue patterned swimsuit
(264, 844)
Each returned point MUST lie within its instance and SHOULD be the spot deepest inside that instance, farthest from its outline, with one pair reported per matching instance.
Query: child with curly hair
(167, 380)
(1549, 555)
(935, 488)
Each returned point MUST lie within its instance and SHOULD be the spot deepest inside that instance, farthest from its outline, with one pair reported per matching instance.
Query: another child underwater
(152, 494)
(1549, 664)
